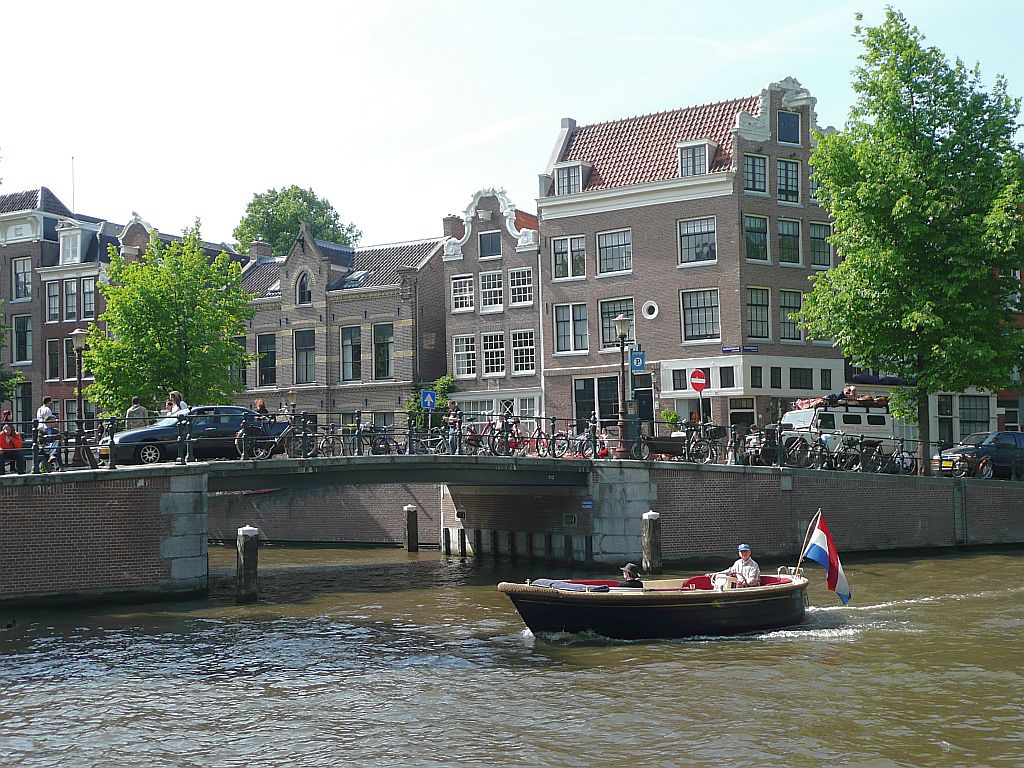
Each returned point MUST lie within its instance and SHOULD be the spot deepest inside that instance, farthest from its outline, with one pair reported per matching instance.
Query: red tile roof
(639, 150)
(525, 220)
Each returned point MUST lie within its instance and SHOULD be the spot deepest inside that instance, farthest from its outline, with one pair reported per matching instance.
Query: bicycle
(843, 458)
(296, 440)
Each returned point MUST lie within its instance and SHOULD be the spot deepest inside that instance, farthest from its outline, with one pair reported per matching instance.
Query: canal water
(380, 658)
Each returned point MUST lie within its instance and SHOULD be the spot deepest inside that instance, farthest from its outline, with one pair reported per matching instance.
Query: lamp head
(78, 337)
(622, 324)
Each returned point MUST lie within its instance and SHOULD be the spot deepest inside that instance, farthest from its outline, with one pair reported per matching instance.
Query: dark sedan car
(983, 454)
(213, 431)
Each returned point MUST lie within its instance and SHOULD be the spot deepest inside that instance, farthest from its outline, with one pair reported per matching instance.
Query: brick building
(492, 306)
(341, 329)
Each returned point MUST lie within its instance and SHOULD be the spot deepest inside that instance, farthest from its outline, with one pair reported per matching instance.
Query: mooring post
(447, 541)
(412, 528)
(462, 543)
(651, 542)
(246, 562)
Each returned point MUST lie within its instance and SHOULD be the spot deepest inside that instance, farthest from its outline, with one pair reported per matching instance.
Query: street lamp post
(78, 337)
(622, 324)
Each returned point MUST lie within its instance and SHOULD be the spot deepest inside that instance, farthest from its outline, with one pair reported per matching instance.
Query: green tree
(8, 379)
(275, 216)
(417, 416)
(170, 322)
(924, 186)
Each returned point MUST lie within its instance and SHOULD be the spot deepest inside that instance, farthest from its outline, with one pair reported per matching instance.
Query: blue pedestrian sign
(428, 399)
(637, 361)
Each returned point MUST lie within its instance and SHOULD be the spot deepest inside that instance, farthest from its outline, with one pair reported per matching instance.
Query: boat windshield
(978, 438)
(799, 419)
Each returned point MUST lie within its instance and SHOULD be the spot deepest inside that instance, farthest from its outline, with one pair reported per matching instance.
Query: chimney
(454, 226)
(259, 250)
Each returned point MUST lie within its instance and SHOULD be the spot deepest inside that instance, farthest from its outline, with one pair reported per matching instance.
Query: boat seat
(770, 581)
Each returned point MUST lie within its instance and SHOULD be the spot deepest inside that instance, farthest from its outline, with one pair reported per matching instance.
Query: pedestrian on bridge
(453, 420)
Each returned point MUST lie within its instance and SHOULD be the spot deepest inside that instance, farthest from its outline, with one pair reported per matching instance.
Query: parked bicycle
(297, 440)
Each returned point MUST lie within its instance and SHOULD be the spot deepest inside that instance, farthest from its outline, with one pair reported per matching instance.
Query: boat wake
(926, 600)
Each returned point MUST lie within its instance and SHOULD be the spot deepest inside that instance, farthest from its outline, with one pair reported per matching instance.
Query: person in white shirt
(177, 402)
(44, 412)
(746, 570)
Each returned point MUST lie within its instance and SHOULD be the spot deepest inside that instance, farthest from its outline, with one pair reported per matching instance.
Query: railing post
(304, 432)
(111, 431)
(35, 447)
(359, 433)
(592, 434)
(189, 444)
(182, 450)
(245, 436)
(778, 446)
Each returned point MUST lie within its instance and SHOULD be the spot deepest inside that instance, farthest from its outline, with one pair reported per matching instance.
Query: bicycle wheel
(905, 463)
(301, 446)
(332, 445)
(701, 452)
(559, 444)
(846, 460)
(260, 449)
(538, 445)
(872, 460)
(499, 444)
(585, 448)
(418, 446)
(640, 451)
(819, 457)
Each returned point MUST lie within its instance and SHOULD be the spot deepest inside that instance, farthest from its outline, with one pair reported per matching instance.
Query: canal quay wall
(142, 532)
(96, 535)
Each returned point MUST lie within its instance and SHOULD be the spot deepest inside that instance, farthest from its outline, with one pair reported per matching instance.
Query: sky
(397, 112)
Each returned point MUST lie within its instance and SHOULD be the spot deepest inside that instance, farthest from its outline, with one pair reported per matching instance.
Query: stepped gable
(640, 150)
(41, 199)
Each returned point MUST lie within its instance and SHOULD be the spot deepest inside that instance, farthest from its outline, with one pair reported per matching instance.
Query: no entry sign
(698, 381)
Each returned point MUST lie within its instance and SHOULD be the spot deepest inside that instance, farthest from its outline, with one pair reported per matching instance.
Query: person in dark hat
(630, 576)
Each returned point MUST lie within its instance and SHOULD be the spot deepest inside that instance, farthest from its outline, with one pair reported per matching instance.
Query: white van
(873, 422)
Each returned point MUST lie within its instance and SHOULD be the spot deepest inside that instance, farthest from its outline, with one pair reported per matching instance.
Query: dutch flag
(822, 550)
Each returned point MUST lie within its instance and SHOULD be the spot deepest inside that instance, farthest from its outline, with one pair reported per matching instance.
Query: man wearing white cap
(746, 570)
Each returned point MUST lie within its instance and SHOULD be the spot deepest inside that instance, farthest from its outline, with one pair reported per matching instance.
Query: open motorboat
(662, 608)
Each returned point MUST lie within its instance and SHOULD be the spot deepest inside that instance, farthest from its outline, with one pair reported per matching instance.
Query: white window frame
(679, 241)
(564, 170)
(480, 242)
(778, 176)
(695, 168)
(628, 251)
(573, 349)
(306, 352)
(459, 294)
(352, 361)
(464, 356)
(26, 295)
(811, 239)
(764, 160)
(392, 350)
(767, 238)
(524, 355)
(70, 247)
(613, 344)
(488, 294)
(569, 241)
(490, 345)
(746, 312)
(799, 127)
(14, 340)
(91, 282)
(783, 317)
(73, 283)
(799, 242)
(718, 312)
(516, 282)
(298, 290)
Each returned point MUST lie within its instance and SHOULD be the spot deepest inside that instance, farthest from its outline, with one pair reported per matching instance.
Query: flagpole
(807, 536)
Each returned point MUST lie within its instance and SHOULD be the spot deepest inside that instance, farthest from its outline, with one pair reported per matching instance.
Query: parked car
(213, 432)
(983, 454)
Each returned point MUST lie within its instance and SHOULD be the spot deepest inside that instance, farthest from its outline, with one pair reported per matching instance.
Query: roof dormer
(69, 234)
(570, 177)
(695, 156)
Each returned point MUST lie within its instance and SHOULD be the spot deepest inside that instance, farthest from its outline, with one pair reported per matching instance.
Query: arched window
(303, 295)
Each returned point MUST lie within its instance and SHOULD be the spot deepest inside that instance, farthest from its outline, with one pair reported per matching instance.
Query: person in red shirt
(10, 449)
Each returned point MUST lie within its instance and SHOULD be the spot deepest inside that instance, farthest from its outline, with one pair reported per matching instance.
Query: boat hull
(639, 615)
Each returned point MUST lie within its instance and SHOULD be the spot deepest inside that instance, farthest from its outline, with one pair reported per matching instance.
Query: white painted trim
(638, 195)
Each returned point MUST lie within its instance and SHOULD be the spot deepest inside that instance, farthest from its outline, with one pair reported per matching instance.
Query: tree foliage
(8, 379)
(417, 416)
(171, 318)
(275, 216)
(924, 184)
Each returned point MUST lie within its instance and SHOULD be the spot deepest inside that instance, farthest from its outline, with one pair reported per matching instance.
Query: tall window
(813, 187)
(697, 241)
(70, 299)
(384, 351)
(52, 302)
(973, 414)
(789, 181)
(303, 294)
(22, 348)
(700, 315)
(237, 372)
(69, 247)
(755, 178)
(789, 302)
(305, 357)
(352, 352)
(571, 334)
(464, 356)
(570, 257)
(21, 282)
(609, 311)
(524, 355)
(693, 161)
(755, 235)
(789, 241)
(615, 251)
(491, 292)
(789, 127)
(70, 361)
(567, 180)
(88, 298)
(462, 293)
(490, 245)
(520, 287)
(24, 406)
(757, 313)
(494, 353)
(266, 365)
(52, 359)
(821, 249)
(756, 377)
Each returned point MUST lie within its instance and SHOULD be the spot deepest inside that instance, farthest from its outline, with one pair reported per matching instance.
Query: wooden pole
(246, 576)
(651, 542)
(412, 528)
(807, 536)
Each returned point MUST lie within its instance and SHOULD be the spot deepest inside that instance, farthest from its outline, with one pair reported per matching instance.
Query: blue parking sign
(428, 399)
(637, 361)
